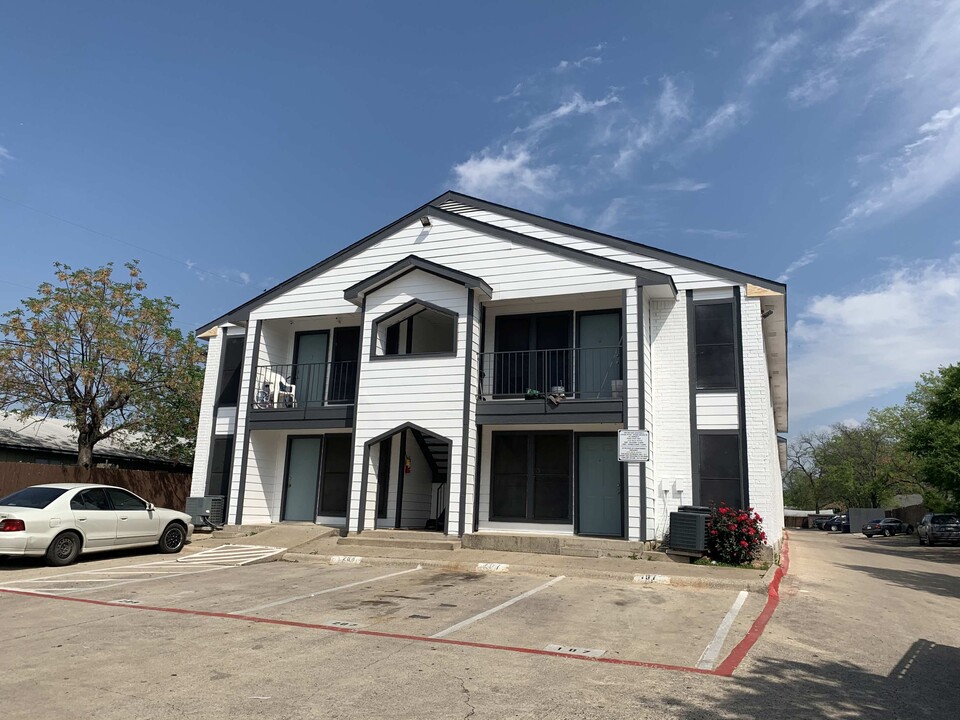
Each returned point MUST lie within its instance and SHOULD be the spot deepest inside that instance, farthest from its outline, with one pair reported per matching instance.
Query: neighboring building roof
(433, 208)
(53, 435)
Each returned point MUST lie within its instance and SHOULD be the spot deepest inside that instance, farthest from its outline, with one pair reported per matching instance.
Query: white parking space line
(295, 598)
(498, 608)
(709, 657)
(90, 580)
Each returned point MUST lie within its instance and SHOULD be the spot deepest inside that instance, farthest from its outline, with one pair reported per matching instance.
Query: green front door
(599, 486)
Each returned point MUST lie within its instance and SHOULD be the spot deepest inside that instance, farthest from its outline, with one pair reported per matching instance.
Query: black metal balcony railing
(582, 373)
(280, 387)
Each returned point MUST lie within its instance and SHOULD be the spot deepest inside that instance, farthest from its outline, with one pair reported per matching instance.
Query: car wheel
(920, 538)
(930, 541)
(64, 549)
(886, 532)
(173, 538)
(910, 529)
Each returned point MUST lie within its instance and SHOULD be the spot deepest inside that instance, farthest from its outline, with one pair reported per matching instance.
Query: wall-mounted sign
(633, 445)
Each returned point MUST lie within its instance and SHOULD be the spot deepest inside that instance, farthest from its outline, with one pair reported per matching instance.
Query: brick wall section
(201, 456)
(766, 490)
(670, 429)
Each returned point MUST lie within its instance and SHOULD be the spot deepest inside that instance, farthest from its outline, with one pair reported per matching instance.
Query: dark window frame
(739, 455)
(225, 384)
(531, 476)
(387, 317)
(733, 344)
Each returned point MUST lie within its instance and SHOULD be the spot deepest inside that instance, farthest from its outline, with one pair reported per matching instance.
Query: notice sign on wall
(633, 445)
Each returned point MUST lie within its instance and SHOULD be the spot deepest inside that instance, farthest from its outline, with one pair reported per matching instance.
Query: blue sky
(230, 145)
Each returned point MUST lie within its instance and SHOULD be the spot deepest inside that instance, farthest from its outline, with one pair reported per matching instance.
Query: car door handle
(83, 519)
(123, 517)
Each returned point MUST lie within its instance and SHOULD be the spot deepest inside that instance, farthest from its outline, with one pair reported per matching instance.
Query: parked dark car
(886, 527)
(939, 527)
(820, 523)
(840, 523)
(829, 522)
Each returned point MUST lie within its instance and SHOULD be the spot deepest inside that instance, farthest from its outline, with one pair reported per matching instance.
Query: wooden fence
(163, 489)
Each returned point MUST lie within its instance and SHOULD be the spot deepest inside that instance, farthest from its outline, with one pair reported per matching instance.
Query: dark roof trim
(386, 317)
(242, 311)
(612, 241)
(644, 277)
(354, 293)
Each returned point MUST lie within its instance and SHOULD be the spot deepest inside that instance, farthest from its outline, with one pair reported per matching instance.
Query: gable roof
(355, 293)
(433, 209)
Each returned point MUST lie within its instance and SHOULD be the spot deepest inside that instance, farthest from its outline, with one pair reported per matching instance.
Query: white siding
(683, 277)
(471, 439)
(264, 490)
(714, 294)
(201, 454)
(670, 439)
(427, 391)
(650, 495)
(512, 270)
(634, 388)
(766, 488)
(718, 411)
(417, 488)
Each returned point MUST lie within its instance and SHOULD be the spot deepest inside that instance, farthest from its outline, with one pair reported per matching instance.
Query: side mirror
(150, 507)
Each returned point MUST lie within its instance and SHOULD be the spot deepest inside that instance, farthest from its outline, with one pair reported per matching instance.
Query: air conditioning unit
(688, 531)
(207, 511)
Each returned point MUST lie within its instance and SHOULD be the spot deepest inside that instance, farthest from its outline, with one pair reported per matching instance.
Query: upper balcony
(324, 393)
(582, 384)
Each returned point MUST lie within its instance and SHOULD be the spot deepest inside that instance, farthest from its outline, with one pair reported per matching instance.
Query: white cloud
(510, 95)
(770, 57)
(924, 168)
(576, 105)
(808, 257)
(724, 120)
(565, 65)
(679, 185)
(816, 87)
(612, 214)
(671, 110)
(4, 156)
(848, 348)
(503, 174)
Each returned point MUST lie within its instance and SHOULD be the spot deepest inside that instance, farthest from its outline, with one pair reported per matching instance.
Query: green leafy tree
(100, 353)
(806, 485)
(933, 432)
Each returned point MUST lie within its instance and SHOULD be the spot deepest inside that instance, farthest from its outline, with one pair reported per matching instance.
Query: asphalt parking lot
(614, 621)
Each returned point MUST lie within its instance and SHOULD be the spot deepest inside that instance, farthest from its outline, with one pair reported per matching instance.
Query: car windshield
(876, 521)
(937, 519)
(32, 497)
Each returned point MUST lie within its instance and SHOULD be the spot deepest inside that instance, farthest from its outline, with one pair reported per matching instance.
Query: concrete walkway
(326, 550)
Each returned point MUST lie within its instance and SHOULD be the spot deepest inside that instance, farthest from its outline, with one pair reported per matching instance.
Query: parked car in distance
(886, 527)
(840, 523)
(828, 523)
(939, 527)
(63, 521)
(820, 522)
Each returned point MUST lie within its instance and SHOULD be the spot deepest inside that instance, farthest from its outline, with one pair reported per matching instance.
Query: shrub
(734, 536)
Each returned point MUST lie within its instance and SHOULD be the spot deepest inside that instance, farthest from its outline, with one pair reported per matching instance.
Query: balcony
(314, 395)
(562, 385)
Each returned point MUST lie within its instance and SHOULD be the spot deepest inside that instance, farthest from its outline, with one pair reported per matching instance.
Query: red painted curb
(736, 656)
(726, 668)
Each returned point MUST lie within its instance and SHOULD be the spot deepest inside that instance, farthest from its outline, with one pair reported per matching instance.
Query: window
(716, 354)
(32, 497)
(336, 474)
(122, 500)
(220, 459)
(720, 477)
(95, 499)
(531, 477)
(230, 375)
(416, 328)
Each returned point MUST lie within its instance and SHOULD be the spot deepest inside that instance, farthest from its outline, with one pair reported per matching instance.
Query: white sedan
(61, 521)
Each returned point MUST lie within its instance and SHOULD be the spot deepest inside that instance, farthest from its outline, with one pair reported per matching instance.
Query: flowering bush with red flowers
(734, 536)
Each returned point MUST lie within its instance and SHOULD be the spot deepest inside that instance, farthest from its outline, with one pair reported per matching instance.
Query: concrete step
(555, 545)
(402, 534)
(404, 543)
